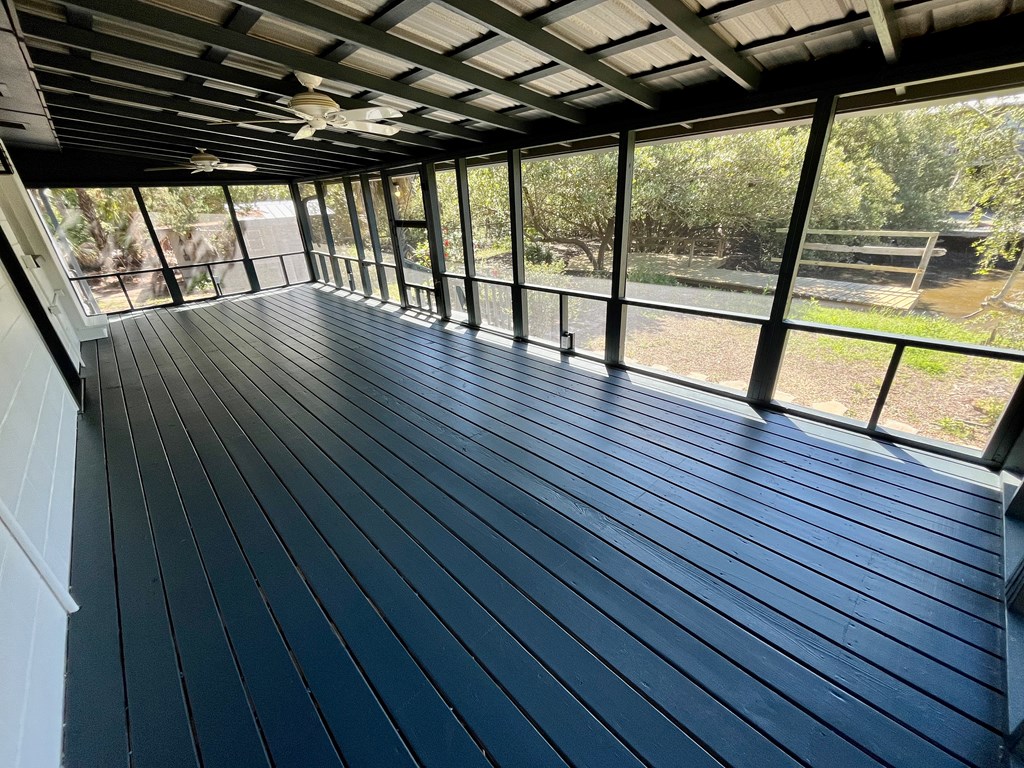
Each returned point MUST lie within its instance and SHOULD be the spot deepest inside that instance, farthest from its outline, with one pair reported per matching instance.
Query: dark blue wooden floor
(313, 532)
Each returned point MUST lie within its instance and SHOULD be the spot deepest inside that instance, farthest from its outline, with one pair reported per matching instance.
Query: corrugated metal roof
(509, 59)
(439, 29)
(216, 11)
(563, 82)
(293, 35)
(663, 53)
(611, 20)
(620, 34)
(361, 10)
(377, 63)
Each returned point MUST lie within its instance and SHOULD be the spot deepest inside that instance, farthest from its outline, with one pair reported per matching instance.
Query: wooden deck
(841, 291)
(312, 532)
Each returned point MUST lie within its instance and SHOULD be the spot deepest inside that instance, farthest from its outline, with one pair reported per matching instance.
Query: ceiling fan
(315, 111)
(204, 162)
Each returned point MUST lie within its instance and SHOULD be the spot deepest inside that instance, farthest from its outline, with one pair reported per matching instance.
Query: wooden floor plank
(426, 720)
(921, 471)
(777, 443)
(351, 537)
(662, 681)
(96, 731)
(677, 648)
(987, 710)
(159, 722)
(288, 714)
(350, 496)
(834, 504)
(985, 666)
(225, 727)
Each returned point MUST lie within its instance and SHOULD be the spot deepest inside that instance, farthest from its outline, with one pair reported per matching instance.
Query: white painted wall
(38, 419)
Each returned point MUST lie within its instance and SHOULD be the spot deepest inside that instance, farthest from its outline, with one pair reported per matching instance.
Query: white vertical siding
(38, 420)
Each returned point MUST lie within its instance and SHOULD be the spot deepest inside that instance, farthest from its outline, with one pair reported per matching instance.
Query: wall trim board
(36, 559)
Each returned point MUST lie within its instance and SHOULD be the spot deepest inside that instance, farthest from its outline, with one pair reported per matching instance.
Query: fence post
(926, 257)
(772, 340)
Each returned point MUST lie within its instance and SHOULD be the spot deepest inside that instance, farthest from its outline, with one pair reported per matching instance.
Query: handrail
(917, 342)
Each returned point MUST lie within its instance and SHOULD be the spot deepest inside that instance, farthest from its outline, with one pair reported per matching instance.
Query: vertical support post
(173, 288)
(328, 234)
(772, 340)
(466, 225)
(357, 235)
(250, 268)
(435, 238)
(371, 224)
(926, 258)
(520, 314)
(615, 327)
(305, 231)
(389, 203)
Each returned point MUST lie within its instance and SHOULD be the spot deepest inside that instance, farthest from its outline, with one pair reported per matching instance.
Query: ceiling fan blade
(304, 132)
(247, 167)
(359, 125)
(171, 168)
(254, 122)
(370, 113)
(198, 170)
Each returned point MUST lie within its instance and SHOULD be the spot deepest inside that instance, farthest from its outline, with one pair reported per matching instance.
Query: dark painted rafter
(367, 36)
(698, 36)
(241, 20)
(510, 25)
(190, 28)
(393, 14)
(851, 24)
(172, 146)
(195, 89)
(156, 158)
(887, 30)
(336, 142)
(85, 109)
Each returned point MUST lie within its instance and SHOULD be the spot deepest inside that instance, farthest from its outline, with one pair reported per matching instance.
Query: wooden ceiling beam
(393, 14)
(364, 35)
(86, 108)
(173, 23)
(327, 141)
(114, 145)
(131, 140)
(44, 29)
(699, 37)
(50, 61)
(177, 148)
(887, 29)
(506, 23)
